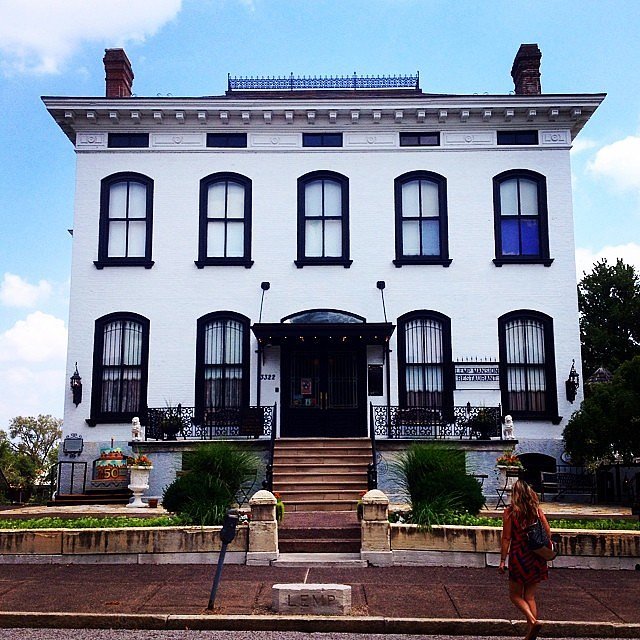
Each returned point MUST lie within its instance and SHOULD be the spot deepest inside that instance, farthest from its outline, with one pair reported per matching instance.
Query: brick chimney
(118, 73)
(526, 70)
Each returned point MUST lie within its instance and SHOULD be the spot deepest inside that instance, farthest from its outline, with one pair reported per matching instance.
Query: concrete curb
(311, 624)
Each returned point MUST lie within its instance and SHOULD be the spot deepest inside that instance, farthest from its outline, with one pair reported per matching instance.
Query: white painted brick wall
(174, 293)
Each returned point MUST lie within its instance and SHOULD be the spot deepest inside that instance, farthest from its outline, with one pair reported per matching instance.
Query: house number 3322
(267, 376)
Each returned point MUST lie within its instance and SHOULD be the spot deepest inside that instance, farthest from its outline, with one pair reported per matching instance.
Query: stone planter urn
(138, 483)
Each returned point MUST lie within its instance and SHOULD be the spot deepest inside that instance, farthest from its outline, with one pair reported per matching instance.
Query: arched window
(225, 220)
(527, 365)
(120, 367)
(126, 216)
(520, 211)
(222, 362)
(424, 360)
(323, 219)
(421, 219)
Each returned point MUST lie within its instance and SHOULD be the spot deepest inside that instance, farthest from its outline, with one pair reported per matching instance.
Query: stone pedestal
(138, 483)
(376, 532)
(312, 599)
(263, 529)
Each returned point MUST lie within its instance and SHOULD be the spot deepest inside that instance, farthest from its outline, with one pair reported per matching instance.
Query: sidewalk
(416, 599)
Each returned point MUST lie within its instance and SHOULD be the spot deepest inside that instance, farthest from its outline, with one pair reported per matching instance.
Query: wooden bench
(562, 483)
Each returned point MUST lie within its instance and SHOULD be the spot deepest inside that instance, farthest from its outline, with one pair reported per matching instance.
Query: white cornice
(435, 111)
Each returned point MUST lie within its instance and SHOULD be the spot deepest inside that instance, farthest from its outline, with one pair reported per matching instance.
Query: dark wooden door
(324, 392)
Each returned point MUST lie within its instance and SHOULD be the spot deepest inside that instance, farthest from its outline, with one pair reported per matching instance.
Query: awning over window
(291, 333)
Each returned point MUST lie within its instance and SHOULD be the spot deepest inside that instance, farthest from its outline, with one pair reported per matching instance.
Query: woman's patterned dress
(525, 567)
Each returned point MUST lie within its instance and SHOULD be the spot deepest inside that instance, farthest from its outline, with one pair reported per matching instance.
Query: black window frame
(542, 218)
(127, 140)
(517, 137)
(405, 138)
(206, 182)
(227, 140)
(200, 358)
(551, 394)
(343, 260)
(448, 377)
(322, 139)
(441, 182)
(98, 416)
(104, 260)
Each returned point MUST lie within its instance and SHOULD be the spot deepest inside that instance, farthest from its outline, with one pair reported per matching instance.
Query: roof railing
(295, 83)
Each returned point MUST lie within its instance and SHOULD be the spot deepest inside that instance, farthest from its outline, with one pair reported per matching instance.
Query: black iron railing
(372, 467)
(71, 477)
(428, 423)
(173, 423)
(294, 83)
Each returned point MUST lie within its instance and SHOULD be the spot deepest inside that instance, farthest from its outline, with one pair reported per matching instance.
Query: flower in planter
(139, 461)
(279, 506)
(509, 459)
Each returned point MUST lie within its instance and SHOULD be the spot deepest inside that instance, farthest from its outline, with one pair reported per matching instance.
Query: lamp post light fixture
(76, 387)
(572, 383)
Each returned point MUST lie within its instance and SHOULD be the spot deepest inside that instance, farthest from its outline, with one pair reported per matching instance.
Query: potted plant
(360, 506)
(171, 423)
(139, 470)
(483, 424)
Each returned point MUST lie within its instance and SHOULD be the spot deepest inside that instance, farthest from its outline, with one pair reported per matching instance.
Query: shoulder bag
(539, 542)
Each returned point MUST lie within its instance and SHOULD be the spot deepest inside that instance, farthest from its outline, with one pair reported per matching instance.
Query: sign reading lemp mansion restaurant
(317, 257)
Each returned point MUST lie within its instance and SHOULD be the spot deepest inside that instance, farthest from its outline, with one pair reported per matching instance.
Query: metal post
(227, 534)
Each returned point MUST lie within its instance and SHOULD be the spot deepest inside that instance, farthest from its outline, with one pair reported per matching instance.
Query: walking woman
(526, 569)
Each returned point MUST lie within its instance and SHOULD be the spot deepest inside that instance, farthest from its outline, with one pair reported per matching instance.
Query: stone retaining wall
(143, 545)
(480, 547)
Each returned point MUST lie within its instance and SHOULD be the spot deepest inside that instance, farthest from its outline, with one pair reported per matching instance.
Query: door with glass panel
(324, 393)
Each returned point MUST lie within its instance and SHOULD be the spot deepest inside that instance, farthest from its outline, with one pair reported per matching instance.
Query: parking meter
(229, 524)
(227, 534)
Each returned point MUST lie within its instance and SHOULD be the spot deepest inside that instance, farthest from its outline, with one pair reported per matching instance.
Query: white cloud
(40, 36)
(619, 161)
(582, 144)
(41, 337)
(16, 292)
(629, 253)
(28, 392)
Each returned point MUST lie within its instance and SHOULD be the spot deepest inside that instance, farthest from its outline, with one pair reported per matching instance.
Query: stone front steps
(319, 532)
(321, 474)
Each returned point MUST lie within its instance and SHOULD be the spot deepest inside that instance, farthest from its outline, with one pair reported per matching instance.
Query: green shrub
(216, 471)
(434, 479)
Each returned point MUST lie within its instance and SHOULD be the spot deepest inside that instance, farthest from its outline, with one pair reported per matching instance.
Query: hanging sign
(305, 386)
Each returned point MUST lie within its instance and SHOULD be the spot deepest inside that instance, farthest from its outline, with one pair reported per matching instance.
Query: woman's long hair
(524, 503)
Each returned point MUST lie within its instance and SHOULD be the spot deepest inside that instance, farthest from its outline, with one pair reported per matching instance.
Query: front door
(324, 392)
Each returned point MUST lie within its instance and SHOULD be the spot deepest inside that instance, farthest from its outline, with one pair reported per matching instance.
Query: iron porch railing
(429, 423)
(172, 423)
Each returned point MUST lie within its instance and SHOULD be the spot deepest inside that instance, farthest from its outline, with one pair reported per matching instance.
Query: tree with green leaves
(609, 303)
(29, 451)
(606, 428)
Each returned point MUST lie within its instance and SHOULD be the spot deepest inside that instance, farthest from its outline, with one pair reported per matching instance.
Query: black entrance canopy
(278, 333)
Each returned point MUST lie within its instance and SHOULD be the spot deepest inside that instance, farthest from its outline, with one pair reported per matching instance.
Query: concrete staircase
(319, 532)
(321, 474)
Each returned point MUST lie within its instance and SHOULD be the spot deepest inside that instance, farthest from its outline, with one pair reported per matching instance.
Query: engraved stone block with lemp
(312, 599)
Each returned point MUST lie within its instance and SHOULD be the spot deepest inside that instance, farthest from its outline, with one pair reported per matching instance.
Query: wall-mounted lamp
(76, 387)
(572, 382)
(265, 286)
(381, 285)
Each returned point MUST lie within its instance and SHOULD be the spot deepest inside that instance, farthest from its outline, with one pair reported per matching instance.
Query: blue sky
(186, 48)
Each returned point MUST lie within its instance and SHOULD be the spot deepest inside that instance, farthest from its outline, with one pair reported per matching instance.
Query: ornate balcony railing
(173, 423)
(293, 83)
(482, 423)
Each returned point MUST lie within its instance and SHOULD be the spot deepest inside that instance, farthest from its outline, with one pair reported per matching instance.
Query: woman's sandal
(533, 632)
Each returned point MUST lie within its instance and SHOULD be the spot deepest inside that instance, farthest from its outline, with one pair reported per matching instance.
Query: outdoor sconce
(572, 383)
(76, 387)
